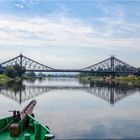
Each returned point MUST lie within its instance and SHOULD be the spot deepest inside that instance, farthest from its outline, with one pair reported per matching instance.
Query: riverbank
(135, 79)
(5, 79)
(131, 80)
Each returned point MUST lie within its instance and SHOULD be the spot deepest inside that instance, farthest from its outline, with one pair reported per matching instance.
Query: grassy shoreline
(5, 79)
(133, 79)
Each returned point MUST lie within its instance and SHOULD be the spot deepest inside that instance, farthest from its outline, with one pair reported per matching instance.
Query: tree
(1, 69)
(10, 72)
(19, 69)
(138, 72)
(16, 70)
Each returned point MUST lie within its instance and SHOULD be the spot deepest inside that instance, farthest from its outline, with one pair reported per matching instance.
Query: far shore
(135, 79)
(5, 79)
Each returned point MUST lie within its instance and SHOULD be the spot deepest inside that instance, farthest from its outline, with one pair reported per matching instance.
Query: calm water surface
(78, 110)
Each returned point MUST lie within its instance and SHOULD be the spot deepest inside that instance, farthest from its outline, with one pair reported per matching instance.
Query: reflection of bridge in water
(109, 92)
(29, 92)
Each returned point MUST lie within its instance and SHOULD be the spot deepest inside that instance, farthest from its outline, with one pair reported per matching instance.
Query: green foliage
(10, 72)
(1, 69)
(138, 78)
(2, 76)
(4, 79)
(16, 70)
(138, 72)
(20, 70)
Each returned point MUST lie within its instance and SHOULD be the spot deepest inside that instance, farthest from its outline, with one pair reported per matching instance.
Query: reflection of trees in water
(32, 80)
(16, 87)
(13, 90)
(108, 90)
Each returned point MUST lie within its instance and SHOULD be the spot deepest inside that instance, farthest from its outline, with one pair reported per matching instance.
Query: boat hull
(30, 130)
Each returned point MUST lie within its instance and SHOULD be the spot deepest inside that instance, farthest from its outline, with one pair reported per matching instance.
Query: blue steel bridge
(112, 66)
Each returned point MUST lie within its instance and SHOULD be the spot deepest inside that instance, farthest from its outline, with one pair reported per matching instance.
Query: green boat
(23, 126)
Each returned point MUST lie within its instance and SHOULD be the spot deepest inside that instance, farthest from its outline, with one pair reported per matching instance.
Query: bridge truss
(29, 64)
(110, 65)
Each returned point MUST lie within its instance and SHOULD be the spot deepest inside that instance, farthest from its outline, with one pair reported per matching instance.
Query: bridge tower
(112, 63)
(21, 56)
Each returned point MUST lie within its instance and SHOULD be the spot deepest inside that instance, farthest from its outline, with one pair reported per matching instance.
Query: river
(75, 109)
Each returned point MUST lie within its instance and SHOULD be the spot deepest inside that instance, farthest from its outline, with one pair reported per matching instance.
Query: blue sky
(70, 33)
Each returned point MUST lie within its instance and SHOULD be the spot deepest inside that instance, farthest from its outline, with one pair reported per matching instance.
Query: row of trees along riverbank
(17, 73)
(11, 73)
(102, 76)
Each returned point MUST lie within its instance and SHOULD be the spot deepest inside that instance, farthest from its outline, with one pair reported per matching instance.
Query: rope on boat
(6, 126)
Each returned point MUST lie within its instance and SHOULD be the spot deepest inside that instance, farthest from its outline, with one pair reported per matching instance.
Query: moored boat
(23, 126)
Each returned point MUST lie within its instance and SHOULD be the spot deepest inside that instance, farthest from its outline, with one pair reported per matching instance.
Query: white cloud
(19, 5)
(115, 23)
(28, 3)
(62, 31)
(39, 33)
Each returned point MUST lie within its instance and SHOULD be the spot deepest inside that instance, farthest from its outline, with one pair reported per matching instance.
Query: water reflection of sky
(78, 114)
(54, 82)
(86, 116)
